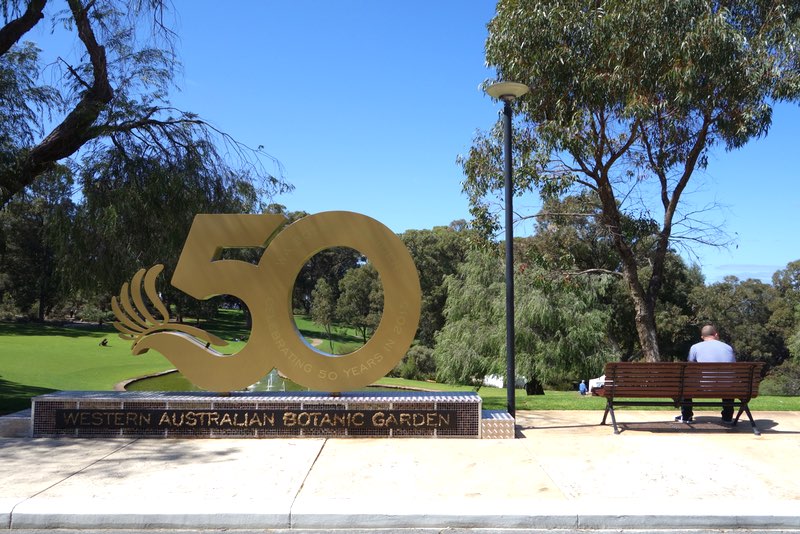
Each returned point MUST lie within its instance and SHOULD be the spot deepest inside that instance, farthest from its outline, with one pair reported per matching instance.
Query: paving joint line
(303, 483)
(54, 484)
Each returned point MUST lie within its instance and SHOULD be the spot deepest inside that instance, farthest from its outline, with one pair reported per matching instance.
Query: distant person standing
(711, 349)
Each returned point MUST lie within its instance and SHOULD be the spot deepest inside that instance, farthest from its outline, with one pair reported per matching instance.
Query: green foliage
(571, 241)
(676, 321)
(626, 100)
(785, 318)
(470, 346)
(136, 213)
(108, 91)
(25, 103)
(330, 265)
(8, 308)
(783, 380)
(94, 314)
(437, 253)
(417, 364)
(561, 332)
(636, 60)
(360, 302)
(323, 307)
(741, 310)
(793, 343)
(103, 117)
(33, 245)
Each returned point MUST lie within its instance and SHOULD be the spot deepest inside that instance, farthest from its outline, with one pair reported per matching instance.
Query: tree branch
(77, 127)
(666, 229)
(77, 76)
(624, 148)
(595, 271)
(12, 32)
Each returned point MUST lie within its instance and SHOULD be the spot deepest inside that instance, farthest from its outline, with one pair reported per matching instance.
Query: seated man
(711, 349)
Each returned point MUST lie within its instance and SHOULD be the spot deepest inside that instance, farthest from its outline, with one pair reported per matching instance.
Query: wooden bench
(683, 383)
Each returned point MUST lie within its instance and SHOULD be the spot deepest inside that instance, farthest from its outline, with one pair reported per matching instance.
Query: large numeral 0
(281, 263)
(266, 289)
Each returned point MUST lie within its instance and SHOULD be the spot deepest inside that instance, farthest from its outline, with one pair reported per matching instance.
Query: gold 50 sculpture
(266, 290)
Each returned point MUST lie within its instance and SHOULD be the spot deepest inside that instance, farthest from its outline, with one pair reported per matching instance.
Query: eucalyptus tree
(323, 307)
(626, 100)
(570, 241)
(331, 265)
(437, 253)
(360, 302)
(114, 94)
(786, 308)
(742, 309)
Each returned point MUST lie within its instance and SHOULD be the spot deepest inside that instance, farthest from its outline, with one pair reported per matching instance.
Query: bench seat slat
(680, 382)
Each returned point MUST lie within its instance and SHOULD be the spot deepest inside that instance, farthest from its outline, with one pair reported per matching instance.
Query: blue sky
(368, 103)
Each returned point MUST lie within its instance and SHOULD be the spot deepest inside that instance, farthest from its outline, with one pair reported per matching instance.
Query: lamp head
(507, 91)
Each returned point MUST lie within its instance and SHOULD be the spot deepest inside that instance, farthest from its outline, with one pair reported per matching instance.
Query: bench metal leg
(610, 409)
(743, 407)
(746, 409)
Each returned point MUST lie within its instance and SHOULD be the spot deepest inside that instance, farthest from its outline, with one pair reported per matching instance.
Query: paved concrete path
(565, 471)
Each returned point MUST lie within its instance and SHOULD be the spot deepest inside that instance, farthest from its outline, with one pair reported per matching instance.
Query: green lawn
(39, 358)
(344, 339)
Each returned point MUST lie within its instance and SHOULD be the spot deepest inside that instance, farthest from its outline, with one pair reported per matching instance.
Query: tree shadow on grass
(15, 396)
(54, 329)
(336, 337)
(227, 324)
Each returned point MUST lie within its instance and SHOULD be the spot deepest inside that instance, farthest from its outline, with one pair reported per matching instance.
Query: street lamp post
(507, 92)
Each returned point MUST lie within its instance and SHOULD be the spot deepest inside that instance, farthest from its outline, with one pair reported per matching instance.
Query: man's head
(709, 331)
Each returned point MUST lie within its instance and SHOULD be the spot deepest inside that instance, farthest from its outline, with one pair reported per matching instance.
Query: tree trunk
(646, 328)
(643, 304)
(41, 305)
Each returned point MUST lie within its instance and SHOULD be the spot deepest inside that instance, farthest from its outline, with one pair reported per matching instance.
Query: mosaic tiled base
(256, 415)
(497, 424)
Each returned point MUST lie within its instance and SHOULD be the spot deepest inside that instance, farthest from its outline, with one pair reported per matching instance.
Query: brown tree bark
(644, 304)
(13, 31)
(77, 127)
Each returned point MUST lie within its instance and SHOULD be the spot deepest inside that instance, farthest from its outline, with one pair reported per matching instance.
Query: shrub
(94, 314)
(782, 380)
(417, 364)
(8, 310)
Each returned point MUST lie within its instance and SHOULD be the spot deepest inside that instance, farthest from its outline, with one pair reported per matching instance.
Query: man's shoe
(680, 419)
(728, 422)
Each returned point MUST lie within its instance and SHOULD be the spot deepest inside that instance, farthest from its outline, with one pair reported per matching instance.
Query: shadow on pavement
(661, 422)
(701, 425)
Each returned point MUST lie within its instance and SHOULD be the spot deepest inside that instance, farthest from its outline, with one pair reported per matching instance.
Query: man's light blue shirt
(712, 350)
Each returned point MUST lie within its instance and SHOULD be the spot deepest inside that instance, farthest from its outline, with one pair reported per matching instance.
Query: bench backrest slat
(680, 380)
